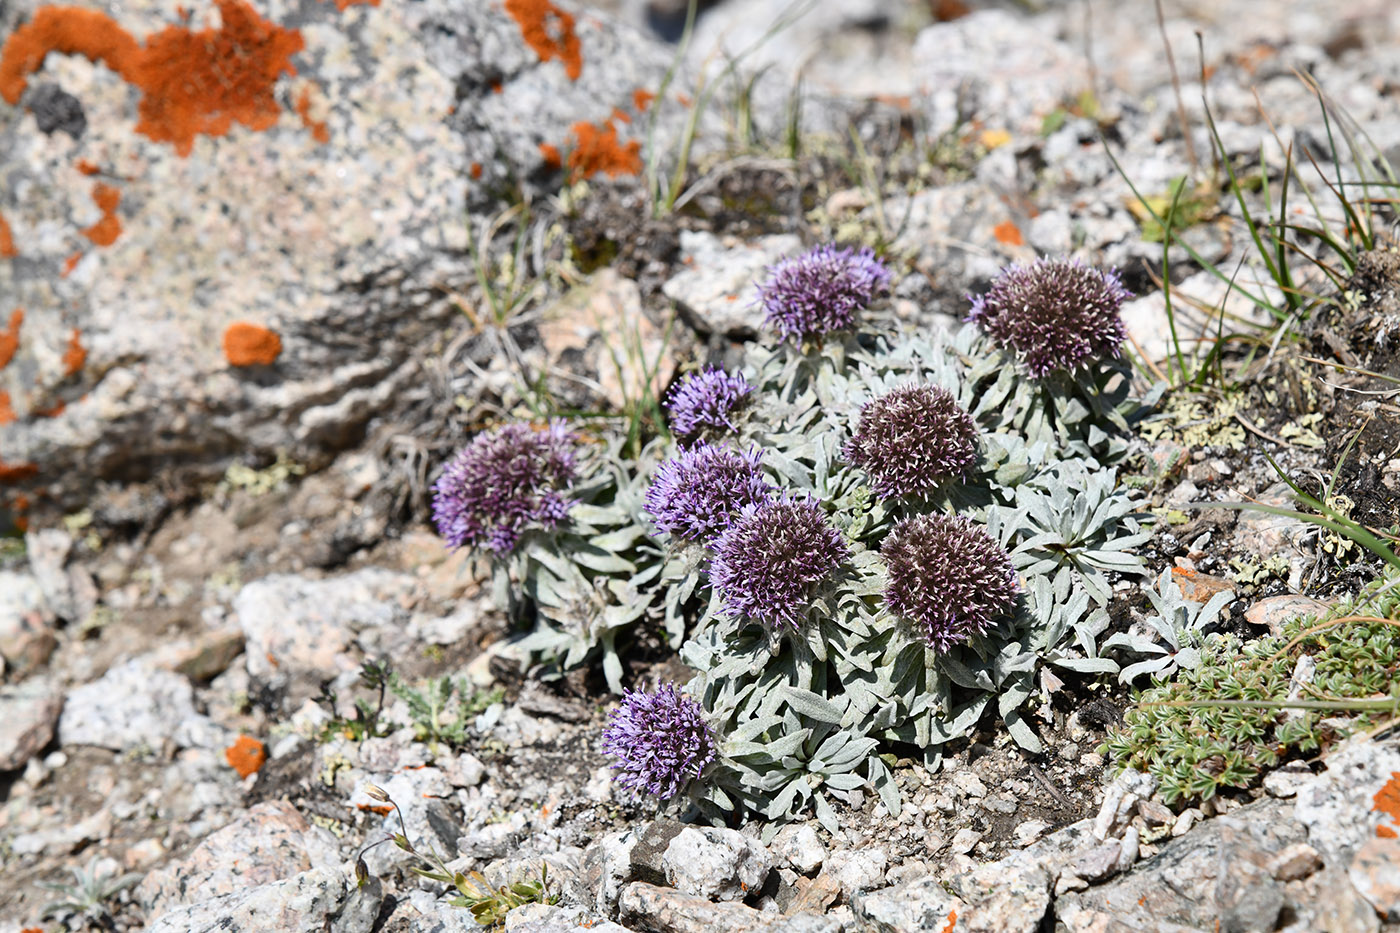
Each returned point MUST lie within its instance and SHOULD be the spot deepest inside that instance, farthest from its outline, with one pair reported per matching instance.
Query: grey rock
(347, 248)
(717, 291)
(607, 866)
(857, 869)
(26, 633)
(1099, 862)
(649, 849)
(294, 625)
(1336, 807)
(28, 713)
(303, 903)
(919, 906)
(1375, 872)
(1248, 898)
(715, 863)
(799, 845)
(664, 910)
(1295, 862)
(1008, 70)
(270, 841)
(1288, 780)
(547, 918)
(69, 592)
(134, 705)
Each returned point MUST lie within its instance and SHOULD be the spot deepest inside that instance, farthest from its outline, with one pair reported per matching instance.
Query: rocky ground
(439, 215)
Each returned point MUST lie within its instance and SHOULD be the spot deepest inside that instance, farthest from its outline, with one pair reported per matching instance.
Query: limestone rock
(303, 903)
(133, 705)
(715, 863)
(717, 291)
(28, 713)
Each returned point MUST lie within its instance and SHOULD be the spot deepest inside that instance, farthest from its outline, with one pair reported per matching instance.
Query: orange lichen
(53, 411)
(1387, 801)
(7, 240)
(203, 82)
(952, 921)
(9, 337)
(246, 755)
(7, 412)
(192, 82)
(319, 131)
(68, 31)
(383, 809)
(475, 170)
(16, 472)
(497, 87)
(550, 32)
(86, 167)
(1008, 234)
(641, 100)
(342, 5)
(106, 230)
(552, 158)
(597, 149)
(620, 116)
(248, 344)
(71, 263)
(75, 355)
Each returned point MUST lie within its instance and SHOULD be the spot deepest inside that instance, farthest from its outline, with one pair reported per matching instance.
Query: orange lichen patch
(75, 355)
(552, 158)
(619, 116)
(684, 99)
(71, 263)
(16, 472)
(86, 167)
(597, 149)
(9, 337)
(248, 344)
(53, 411)
(1387, 801)
(343, 5)
(192, 82)
(549, 31)
(7, 412)
(952, 921)
(68, 31)
(476, 170)
(7, 240)
(1008, 233)
(948, 10)
(641, 100)
(497, 87)
(319, 131)
(246, 755)
(106, 230)
(203, 82)
(383, 809)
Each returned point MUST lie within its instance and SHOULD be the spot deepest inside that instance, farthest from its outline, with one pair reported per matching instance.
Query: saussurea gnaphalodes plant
(890, 534)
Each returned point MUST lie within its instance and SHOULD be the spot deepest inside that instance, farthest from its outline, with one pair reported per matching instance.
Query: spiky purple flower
(773, 556)
(660, 741)
(821, 291)
(696, 494)
(705, 399)
(948, 577)
(913, 439)
(506, 479)
(1053, 314)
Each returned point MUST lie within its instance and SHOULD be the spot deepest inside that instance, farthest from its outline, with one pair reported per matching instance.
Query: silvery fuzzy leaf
(881, 778)
(961, 722)
(811, 706)
(602, 561)
(825, 815)
(1022, 733)
(845, 781)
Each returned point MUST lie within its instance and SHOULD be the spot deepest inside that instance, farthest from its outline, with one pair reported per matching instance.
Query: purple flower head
(1053, 314)
(768, 562)
(913, 439)
(505, 479)
(696, 494)
(705, 399)
(660, 741)
(821, 291)
(948, 577)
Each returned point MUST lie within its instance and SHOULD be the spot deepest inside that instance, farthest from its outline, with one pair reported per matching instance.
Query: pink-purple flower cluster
(768, 563)
(504, 481)
(821, 291)
(705, 400)
(913, 439)
(948, 577)
(696, 494)
(659, 741)
(1055, 314)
